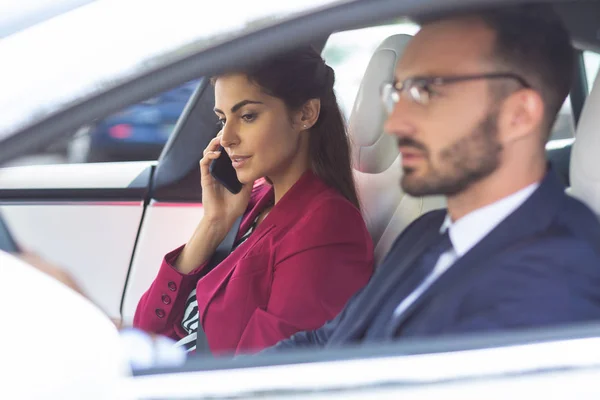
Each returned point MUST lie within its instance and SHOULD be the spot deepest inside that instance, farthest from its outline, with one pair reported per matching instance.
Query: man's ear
(309, 114)
(521, 115)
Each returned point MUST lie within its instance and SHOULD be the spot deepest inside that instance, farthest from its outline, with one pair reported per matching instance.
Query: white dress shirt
(465, 234)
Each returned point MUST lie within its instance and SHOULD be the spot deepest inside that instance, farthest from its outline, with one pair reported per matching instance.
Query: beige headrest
(374, 151)
(585, 156)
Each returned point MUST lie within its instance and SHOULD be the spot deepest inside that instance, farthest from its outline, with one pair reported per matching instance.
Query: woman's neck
(296, 167)
(281, 185)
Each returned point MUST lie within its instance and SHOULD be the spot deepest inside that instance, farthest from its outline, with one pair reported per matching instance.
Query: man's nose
(400, 121)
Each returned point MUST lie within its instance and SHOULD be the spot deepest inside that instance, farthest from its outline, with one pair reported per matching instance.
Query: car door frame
(456, 363)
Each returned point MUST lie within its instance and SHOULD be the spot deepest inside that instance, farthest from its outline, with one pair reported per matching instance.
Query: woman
(302, 248)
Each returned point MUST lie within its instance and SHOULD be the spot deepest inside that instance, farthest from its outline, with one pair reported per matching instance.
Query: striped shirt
(191, 316)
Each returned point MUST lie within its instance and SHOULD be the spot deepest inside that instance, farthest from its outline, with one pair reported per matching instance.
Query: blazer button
(160, 313)
(166, 299)
(172, 286)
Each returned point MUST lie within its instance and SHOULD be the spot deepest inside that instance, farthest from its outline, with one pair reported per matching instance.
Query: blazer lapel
(218, 277)
(284, 212)
(264, 198)
(532, 217)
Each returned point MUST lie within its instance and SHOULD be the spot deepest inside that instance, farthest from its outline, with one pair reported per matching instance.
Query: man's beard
(464, 162)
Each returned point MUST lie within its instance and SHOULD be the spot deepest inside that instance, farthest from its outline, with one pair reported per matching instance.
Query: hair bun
(329, 77)
(324, 75)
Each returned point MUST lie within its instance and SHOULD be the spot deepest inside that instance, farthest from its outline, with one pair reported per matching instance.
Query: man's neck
(500, 184)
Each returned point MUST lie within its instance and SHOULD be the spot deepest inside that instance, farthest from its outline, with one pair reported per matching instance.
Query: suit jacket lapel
(532, 217)
(385, 280)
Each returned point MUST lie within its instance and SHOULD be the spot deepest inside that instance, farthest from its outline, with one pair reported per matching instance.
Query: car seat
(387, 210)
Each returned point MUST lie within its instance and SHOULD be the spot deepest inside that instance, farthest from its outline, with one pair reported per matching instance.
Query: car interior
(174, 178)
(376, 160)
(388, 211)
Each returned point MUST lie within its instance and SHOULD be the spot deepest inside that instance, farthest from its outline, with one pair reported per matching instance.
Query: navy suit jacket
(539, 267)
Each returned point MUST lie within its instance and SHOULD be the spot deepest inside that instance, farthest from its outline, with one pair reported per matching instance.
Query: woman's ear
(309, 114)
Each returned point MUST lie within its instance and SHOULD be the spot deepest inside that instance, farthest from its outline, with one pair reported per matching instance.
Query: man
(472, 106)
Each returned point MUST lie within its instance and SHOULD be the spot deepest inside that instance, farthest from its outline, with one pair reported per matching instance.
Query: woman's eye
(249, 117)
(221, 123)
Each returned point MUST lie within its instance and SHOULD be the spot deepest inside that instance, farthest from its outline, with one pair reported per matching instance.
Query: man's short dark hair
(531, 41)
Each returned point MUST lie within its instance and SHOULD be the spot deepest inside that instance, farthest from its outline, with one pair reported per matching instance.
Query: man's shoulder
(431, 220)
(578, 221)
(569, 245)
(428, 222)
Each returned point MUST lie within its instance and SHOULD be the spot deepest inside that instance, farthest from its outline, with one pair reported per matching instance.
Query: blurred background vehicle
(137, 133)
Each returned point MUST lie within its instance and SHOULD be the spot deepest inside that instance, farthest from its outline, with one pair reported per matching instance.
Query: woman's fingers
(213, 145)
(212, 152)
(209, 156)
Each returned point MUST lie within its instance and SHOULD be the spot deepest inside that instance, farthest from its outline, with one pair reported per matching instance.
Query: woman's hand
(221, 207)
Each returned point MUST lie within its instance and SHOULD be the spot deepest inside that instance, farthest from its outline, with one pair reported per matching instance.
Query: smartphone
(222, 170)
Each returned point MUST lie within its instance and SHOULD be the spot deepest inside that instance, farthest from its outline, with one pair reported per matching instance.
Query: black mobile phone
(222, 170)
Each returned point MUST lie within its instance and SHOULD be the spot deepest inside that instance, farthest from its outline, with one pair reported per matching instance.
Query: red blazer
(295, 272)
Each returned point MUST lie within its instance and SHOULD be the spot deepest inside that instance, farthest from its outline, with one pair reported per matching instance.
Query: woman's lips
(239, 161)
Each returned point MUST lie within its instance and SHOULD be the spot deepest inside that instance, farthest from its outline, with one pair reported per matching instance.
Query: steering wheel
(7, 242)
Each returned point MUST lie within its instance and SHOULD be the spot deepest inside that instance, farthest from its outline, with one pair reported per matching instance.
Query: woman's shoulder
(328, 219)
(329, 211)
(332, 206)
(329, 199)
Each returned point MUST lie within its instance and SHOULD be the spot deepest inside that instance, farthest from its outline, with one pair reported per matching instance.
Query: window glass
(592, 65)
(78, 54)
(136, 133)
(349, 52)
(564, 128)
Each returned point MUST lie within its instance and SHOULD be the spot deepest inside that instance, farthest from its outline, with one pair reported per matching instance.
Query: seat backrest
(585, 154)
(386, 209)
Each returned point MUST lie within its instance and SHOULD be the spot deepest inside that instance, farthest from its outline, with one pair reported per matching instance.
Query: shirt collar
(473, 227)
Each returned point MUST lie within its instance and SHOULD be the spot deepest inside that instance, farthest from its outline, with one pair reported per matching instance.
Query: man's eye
(429, 90)
(425, 87)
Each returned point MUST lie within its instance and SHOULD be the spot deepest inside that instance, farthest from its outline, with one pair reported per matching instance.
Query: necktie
(385, 323)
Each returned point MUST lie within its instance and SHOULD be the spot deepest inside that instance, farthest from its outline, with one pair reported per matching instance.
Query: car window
(136, 133)
(73, 56)
(349, 52)
(564, 129)
(592, 65)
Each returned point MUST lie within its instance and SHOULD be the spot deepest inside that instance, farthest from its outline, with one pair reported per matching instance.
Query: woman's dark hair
(296, 77)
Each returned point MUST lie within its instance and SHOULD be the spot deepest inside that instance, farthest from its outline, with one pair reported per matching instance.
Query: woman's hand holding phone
(221, 209)
(220, 205)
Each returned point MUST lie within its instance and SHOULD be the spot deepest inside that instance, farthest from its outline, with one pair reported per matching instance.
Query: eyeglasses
(420, 89)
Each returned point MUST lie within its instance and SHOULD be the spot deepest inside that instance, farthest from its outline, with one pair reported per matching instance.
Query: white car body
(55, 344)
(110, 224)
